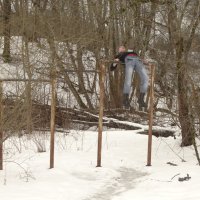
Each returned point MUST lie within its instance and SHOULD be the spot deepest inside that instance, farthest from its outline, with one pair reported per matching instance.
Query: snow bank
(124, 174)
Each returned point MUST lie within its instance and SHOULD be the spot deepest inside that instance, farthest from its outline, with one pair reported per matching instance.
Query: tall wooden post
(53, 114)
(1, 129)
(101, 106)
(151, 114)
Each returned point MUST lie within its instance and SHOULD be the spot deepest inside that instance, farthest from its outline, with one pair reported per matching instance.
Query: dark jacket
(121, 56)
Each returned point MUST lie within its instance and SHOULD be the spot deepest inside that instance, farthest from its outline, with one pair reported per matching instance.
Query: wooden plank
(101, 108)
(52, 122)
(1, 129)
(151, 114)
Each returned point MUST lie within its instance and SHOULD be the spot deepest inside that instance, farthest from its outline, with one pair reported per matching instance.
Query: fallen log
(159, 133)
(66, 116)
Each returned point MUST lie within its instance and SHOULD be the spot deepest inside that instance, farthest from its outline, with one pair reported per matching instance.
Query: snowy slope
(123, 175)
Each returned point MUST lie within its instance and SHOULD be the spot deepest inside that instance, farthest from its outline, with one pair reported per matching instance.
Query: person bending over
(132, 63)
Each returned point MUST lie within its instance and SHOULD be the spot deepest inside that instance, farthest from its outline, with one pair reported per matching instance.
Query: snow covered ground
(123, 175)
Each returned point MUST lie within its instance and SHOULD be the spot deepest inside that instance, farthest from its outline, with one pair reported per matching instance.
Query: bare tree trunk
(6, 33)
(80, 74)
(187, 127)
(27, 69)
(28, 90)
(66, 76)
(182, 47)
(148, 23)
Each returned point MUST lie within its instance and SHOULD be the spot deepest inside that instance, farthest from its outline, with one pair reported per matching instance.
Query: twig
(174, 176)
(174, 152)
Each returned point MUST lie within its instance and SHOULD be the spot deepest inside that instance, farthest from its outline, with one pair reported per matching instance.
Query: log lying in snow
(91, 119)
(109, 123)
(114, 123)
(66, 116)
(114, 112)
(159, 133)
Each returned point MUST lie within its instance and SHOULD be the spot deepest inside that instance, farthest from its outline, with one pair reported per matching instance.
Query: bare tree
(6, 32)
(182, 44)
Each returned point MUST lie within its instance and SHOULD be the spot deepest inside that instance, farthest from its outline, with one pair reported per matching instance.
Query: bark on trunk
(178, 43)
(6, 33)
(183, 104)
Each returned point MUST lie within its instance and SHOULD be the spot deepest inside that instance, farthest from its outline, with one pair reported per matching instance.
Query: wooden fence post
(52, 122)
(151, 114)
(1, 123)
(101, 107)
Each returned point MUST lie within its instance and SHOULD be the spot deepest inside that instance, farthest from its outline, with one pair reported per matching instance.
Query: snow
(123, 175)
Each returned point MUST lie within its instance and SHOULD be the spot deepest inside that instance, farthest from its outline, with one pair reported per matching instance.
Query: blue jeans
(134, 64)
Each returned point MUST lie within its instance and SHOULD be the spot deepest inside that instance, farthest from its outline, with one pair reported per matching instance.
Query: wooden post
(52, 123)
(1, 130)
(101, 106)
(151, 114)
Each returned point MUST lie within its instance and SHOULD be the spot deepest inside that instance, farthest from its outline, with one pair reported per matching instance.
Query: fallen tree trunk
(66, 118)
